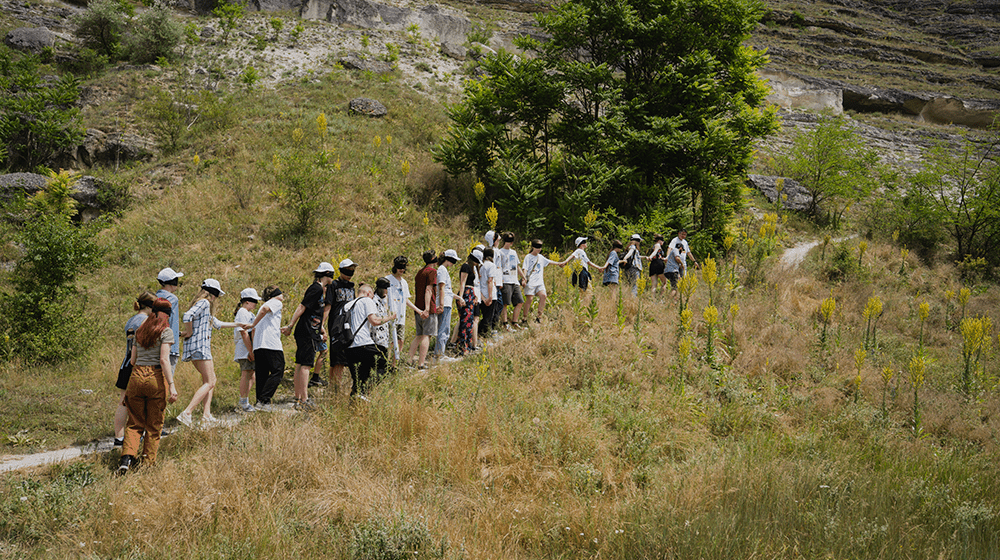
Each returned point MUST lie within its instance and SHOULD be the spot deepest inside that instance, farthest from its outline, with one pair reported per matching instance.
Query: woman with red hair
(150, 387)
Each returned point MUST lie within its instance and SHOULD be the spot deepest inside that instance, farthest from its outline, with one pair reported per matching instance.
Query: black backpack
(341, 333)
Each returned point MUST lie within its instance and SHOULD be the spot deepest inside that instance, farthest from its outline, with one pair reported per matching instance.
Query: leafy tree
(625, 102)
(41, 310)
(155, 35)
(963, 192)
(834, 166)
(229, 13)
(102, 26)
(36, 118)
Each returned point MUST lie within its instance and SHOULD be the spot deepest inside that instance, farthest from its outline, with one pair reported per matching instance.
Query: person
(268, 353)
(363, 352)
(685, 252)
(383, 334)
(611, 266)
(197, 335)
(674, 267)
(534, 277)
(309, 331)
(513, 278)
(143, 306)
(338, 293)
(656, 264)
(580, 254)
(399, 300)
(488, 289)
(426, 319)
(467, 302)
(150, 388)
(169, 283)
(243, 346)
(445, 296)
(634, 260)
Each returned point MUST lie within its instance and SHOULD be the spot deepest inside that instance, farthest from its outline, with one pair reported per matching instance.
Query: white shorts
(534, 290)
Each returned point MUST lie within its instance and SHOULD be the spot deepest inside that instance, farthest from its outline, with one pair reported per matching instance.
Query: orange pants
(145, 399)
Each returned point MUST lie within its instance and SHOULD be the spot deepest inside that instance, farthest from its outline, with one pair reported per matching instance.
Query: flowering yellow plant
(492, 215)
(479, 189)
(321, 124)
(711, 315)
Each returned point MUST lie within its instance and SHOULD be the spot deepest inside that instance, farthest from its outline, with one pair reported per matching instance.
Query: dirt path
(793, 256)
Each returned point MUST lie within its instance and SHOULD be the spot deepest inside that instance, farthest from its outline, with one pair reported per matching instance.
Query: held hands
(250, 355)
(285, 331)
(172, 396)
(425, 314)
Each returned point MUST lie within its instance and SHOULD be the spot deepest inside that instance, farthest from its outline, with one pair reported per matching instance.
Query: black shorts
(583, 279)
(656, 267)
(673, 276)
(338, 355)
(512, 294)
(305, 349)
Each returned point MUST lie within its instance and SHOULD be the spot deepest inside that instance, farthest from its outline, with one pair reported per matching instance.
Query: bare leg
(247, 378)
(301, 381)
(204, 393)
(121, 417)
(541, 303)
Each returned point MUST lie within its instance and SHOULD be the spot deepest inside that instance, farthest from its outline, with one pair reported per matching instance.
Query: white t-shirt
(475, 285)
(360, 310)
(581, 256)
(487, 271)
(242, 316)
(398, 293)
(267, 333)
(497, 278)
(684, 253)
(508, 264)
(445, 278)
(534, 269)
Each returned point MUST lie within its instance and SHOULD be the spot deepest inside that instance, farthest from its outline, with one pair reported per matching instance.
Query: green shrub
(400, 538)
(843, 263)
(87, 62)
(229, 14)
(155, 35)
(102, 26)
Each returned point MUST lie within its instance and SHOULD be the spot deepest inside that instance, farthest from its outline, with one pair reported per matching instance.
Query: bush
(394, 539)
(102, 26)
(843, 263)
(87, 62)
(155, 36)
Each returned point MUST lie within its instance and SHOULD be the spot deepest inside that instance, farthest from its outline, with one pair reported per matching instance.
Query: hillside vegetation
(843, 408)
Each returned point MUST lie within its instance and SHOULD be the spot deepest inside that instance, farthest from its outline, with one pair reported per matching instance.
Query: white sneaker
(184, 418)
(245, 407)
(447, 359)
(264, 407)
(208, 420)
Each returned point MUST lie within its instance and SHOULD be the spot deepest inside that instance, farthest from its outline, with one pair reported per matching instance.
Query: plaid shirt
(200, 341)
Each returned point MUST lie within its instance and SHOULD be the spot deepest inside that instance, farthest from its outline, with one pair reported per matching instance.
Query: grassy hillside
(613, 430)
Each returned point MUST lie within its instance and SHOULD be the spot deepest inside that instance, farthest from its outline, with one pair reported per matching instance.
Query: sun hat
(324, 267)
(212, 285)
(347, 263)
(451, 254)
(249, 293)
(168, 274)
(580, 240)
(478, 255)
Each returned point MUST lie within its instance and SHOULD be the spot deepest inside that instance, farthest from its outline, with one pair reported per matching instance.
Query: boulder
(87, 191)
(529, 6)
(797, 197)
(354, 62)
(434, 21)
(30, 39)
(454, 50)
(274, 5)
(794, 92)
(369, 107)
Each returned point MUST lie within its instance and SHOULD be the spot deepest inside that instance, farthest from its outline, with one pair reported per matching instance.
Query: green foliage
(962, 192)
(413, 33)
(399, 538)
(625, 102)
(277, 24)
(37, 119)
(910, 215)
(176, 117)
(154, 35)
(229, 14)
(103, 25)
(87, 62)
(843, 263)
(304, 173)
(391, 53)
(296, 32)
(479, 33)
(834, 166)
(42, 312)
(250, 77)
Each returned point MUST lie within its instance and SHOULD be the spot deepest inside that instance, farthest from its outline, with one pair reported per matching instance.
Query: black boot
(127, 462)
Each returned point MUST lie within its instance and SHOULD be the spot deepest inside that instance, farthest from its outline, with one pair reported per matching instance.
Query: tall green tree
(623, 103)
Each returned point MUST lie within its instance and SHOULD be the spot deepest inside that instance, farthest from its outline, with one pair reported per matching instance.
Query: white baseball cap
(481, 247)
(324, 267)
(451, 254)
(249, 293)
(214, 285)
(490, 236)
(347, 263)
(580, 240)
(478, 255)
(168, 274)
(636, 237)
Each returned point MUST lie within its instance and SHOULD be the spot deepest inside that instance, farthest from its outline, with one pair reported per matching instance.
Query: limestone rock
(517, 5)
(354, 62)
(454, 50)
(434, 21)
(30, 39)
(365, 106)
(798, 197)
(86, 191)
(274, 5)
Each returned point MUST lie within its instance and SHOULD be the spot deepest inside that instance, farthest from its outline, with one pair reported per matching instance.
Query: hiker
(197, 334)
(656, 265)
(338, 293)
(399, 300)
(534, 273)
(308, 325)
(426, 317)
(685, 251)
(143, 306)
(611, 266)
(513, 278)
(150, 387)
(169, 283)
(268, 353)
(674, 267)
(488, 288)
(632, 263)
(362, 352)
(383, 334)
(583, 278)
(445, 297)
(243, 345)
(467, 302)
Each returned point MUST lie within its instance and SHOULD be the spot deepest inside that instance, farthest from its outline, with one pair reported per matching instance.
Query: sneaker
(127, 462)
(538, 319)
(447, 359)
(507, 327)
(184, 418)
(245, 407)
(209, 420)
(304, 406)
(118, 442)
(361, 397)
(422, 366)
(264, 407)
(317, 381)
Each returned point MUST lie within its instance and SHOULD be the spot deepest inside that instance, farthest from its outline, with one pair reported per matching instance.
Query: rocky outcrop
(100, 148)
(792, 92)
(793, 195)
(87, 191)
(354, 62)
(30, 39)
(434, 21)
(516, 5)
(367, 107)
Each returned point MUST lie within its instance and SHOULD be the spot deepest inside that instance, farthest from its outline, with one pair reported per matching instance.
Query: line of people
(360, 328)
